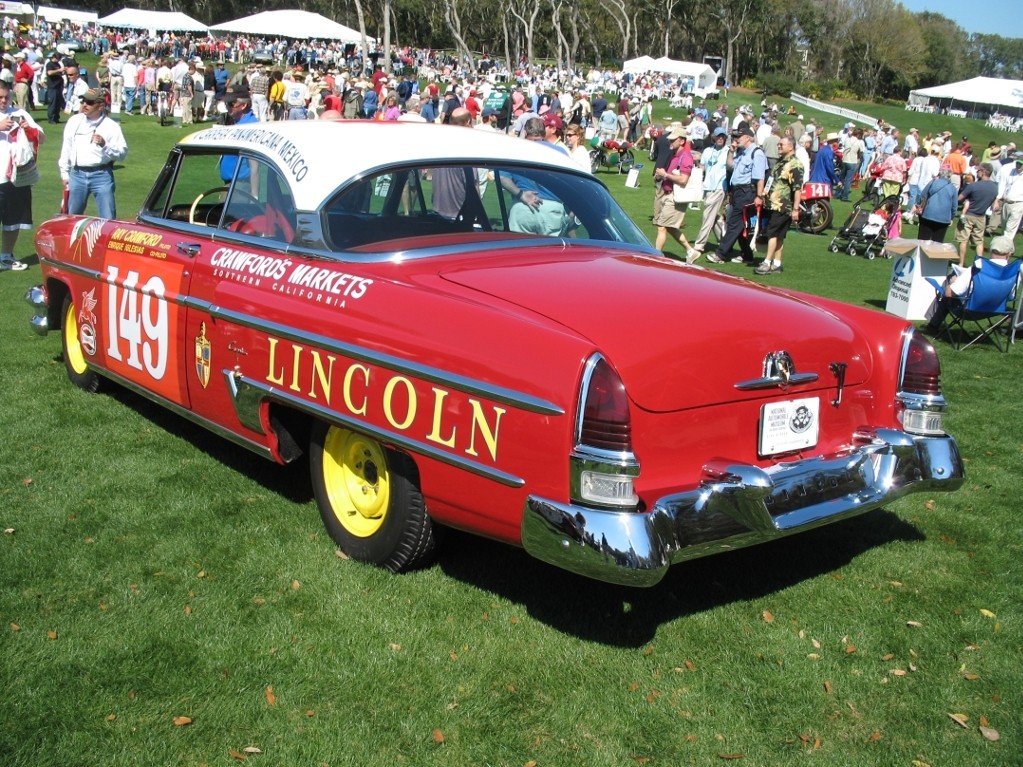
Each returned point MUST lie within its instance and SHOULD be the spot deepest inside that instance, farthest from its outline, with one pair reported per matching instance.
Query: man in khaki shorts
(976, 198)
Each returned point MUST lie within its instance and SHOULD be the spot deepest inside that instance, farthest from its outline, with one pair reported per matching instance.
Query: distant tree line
(868, 48)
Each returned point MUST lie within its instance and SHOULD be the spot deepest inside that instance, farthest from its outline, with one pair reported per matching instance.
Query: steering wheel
(209, 193)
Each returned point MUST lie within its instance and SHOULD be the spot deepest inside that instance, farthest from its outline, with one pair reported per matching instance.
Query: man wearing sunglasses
(92, 144)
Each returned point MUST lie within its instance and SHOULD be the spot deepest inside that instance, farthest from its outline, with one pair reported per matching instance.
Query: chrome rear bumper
(738, 505)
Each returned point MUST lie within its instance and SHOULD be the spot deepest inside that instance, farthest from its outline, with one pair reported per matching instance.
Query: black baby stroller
(869, 227)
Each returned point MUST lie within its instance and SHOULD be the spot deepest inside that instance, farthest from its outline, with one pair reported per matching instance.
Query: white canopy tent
(639, 65)
(300, 25)
(64, 14)
(170, 21)
(704, 76)
(986, 91)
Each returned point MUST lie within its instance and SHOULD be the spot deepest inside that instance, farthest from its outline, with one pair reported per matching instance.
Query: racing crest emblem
(203, 352)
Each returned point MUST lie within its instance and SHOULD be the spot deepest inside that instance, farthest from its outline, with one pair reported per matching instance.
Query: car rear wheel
(369, 498)
(78, 369)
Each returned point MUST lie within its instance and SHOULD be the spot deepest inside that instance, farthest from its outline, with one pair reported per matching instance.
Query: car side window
(231, 192)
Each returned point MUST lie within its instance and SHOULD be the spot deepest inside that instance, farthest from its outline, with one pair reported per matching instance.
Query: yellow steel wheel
(358, 483)
(369, 498)
(75, 364)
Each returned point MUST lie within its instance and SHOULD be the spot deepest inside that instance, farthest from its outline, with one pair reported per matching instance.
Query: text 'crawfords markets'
(442, 416)
(235, 264)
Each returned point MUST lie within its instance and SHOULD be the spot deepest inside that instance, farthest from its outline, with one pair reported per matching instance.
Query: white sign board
(910, 294)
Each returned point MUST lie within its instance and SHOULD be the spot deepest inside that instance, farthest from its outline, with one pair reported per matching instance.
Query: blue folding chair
(987, 309)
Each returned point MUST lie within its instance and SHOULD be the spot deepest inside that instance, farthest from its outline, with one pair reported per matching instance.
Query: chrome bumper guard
(739, 505)
(37, 299)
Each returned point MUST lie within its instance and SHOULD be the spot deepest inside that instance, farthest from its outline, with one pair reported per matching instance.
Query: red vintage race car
(464, 329)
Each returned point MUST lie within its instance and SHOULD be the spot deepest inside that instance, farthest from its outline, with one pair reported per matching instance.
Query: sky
(988, 17)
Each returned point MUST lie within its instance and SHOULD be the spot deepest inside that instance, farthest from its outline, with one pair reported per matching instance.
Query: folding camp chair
(989, 308)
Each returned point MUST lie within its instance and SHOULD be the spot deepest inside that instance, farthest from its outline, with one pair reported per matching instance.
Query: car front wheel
(369, 498)
(77, 367)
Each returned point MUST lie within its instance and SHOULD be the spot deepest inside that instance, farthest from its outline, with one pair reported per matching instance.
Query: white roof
(59, 14)
(978, 90)
(317, 156)
(295, 24)
(642, 64)
(134, 18)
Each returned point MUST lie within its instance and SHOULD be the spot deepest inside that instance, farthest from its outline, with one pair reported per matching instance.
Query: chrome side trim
(738, 505)
(249, 394)
(425, 372)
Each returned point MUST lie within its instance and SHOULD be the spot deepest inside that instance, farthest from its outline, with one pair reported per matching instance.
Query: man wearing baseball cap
(749, 174)
(1002, 249)
(91, 146)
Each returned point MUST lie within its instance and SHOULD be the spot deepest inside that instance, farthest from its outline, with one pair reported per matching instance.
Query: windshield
(500, 200)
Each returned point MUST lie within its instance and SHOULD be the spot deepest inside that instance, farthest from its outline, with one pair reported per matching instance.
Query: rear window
(425, 202)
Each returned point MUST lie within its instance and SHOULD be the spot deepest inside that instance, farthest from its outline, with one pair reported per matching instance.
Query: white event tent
(169, 21)
(301, 25)
(704, 76)
(985, 91)
(65, 14)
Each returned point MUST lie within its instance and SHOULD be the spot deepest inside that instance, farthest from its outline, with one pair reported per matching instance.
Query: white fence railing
(849, 114)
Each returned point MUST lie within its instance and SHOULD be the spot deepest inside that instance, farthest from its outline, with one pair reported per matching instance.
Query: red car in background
(463, 329)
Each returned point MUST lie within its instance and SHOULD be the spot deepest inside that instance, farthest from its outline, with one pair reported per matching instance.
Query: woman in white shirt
(575, 138)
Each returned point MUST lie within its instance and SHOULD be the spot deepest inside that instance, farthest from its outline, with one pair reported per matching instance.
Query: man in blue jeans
(92, 143)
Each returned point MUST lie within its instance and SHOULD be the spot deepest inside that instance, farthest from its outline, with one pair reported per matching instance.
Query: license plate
(790, 425)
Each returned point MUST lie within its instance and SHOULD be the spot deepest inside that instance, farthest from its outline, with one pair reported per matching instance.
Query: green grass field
(168, 599)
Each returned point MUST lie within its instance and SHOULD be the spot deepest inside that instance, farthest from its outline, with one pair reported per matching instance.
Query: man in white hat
(23, 76)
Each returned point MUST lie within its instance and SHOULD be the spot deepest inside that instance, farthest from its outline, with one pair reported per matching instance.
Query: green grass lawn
(150, 571)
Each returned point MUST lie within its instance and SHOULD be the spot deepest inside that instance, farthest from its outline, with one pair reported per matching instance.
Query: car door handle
(190, 249)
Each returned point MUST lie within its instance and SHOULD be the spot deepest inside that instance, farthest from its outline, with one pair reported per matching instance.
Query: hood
(679, 336)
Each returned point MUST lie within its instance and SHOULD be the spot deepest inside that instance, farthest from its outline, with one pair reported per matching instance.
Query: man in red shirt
(23, 77)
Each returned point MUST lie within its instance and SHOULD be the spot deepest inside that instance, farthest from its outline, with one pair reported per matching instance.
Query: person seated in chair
(958, 283)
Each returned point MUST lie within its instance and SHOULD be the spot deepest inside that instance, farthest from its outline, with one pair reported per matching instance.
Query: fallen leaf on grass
(237, 755)
(915, 624)
(182, 721)
(874, 736)
(251, 750)
(295, 585)
(730, 757)
(111, 717)
(689, 665)
(990, 733)
(987, 613)
(27, 481)
(188, 610)
(960, 719)
(896, 584)
(438, 736)
(970, 677)
(767, 616)
(268, 693)
(393, 646)
(850, 649)
(918, 763)
(648, 650)
(8, 531)
(51, 634)
(816, 644)
(827, 687)
(898, 672)
(888, 657)
(641, 759)
(340, 555)
(15, 627)
(530, 763)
